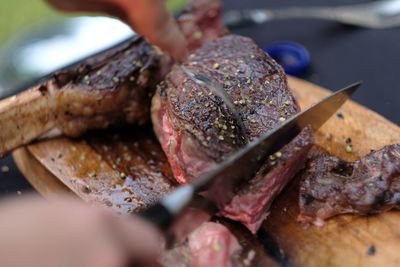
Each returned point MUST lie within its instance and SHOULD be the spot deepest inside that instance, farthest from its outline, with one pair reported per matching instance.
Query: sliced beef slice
(212, 244)
(251, 204)
(331, 186)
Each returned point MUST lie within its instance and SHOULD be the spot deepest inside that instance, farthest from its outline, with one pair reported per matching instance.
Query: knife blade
(220, 182)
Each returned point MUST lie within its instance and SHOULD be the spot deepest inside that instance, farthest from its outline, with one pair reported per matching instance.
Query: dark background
(340, 55)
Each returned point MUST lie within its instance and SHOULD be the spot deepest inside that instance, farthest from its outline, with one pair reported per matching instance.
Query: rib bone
(25, 117)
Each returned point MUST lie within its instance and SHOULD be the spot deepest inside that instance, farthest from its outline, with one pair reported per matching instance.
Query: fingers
(140, 239)
(76, 5)
(117, 238)
(151, 19)
(67, 232)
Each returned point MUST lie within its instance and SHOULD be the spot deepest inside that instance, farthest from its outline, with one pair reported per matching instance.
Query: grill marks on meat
(195, 128)
(331, 186)
(111, 88)
(250, 206)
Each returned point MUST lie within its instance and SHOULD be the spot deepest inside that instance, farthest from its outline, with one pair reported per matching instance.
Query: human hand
(149, 18)
(67, 233)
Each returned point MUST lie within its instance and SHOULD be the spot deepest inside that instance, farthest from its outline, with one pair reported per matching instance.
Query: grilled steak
(197, 130)
(251, 204)
(114, 87)
(331, 186)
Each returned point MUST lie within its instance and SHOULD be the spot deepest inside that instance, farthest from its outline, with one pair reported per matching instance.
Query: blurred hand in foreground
(68, 233)
(149, 18)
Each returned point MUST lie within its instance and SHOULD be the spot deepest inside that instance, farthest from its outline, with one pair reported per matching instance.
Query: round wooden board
(343, 241)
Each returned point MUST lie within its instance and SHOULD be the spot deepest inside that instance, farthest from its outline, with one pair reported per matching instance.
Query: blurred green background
(16, 15)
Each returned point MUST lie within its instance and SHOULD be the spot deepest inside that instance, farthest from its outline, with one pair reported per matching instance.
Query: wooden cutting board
(105, 168)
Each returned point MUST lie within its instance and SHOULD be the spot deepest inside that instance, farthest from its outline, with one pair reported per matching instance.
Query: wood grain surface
(86, 168)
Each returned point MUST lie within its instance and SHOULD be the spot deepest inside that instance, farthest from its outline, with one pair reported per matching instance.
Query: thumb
(151, 19)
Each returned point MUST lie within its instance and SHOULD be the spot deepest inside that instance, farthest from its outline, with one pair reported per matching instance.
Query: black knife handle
(158, 215)
(164, 212)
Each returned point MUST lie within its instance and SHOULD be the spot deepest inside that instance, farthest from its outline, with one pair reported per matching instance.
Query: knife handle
(164, 212)
(158, 215)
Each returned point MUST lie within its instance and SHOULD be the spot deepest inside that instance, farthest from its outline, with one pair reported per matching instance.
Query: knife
(221, 181)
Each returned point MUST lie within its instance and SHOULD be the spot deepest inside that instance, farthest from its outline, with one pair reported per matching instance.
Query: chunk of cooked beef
(212, 244)
(218, 244)
(251, 204)
(331, 186)
(197, 130)
(111, 88)
(195, 127)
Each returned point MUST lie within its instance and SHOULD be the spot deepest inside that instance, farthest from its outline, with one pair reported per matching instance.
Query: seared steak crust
(331, 186)
(112, 87)
(195, 126)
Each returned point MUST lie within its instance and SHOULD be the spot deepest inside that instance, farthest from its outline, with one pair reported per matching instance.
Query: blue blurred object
(293, 57)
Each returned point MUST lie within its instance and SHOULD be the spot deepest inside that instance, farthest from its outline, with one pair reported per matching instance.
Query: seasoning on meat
(331, 186)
